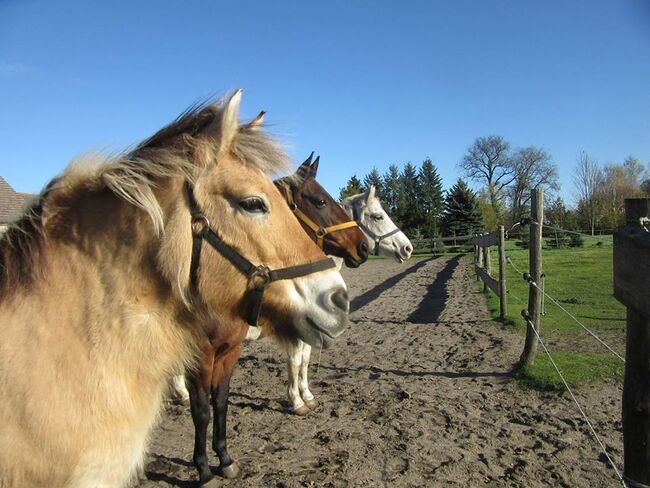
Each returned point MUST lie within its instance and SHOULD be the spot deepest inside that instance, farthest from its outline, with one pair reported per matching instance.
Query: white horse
(384, 239)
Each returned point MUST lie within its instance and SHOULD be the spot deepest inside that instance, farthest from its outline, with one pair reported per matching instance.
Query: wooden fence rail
(482, 265)
(431, 244)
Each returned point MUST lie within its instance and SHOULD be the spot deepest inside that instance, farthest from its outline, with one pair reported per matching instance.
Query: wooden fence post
(487, 264)
(503, 301)
(479, 259)
(535, 270)
(631, 285)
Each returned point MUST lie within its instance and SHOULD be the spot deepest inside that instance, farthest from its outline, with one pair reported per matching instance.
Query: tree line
(503, 177)
(415, 200)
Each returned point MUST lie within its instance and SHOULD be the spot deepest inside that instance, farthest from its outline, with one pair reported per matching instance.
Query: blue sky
(363, 83)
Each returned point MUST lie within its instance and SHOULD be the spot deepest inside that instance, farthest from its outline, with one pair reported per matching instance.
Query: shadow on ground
(436, 296)
(374, 293)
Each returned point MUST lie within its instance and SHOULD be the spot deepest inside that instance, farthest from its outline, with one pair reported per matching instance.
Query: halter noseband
(260, 276)
(319, 231)
(375, 237)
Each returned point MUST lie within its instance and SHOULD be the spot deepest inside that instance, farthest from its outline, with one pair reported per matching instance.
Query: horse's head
(322, 217)
(231, 200)
(384, 237)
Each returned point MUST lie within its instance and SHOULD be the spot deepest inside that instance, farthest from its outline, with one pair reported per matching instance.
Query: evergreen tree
(374, 178)
(408, 208)
(392, 192)
(430, 197)
(461, 215)
(353, 187)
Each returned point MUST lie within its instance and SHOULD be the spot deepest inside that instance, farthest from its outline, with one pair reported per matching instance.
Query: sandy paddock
(416, 393)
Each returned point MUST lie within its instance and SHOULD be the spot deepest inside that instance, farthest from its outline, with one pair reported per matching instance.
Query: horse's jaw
(323, 310)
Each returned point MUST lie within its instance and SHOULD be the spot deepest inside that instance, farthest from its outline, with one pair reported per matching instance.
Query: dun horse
(327, 224)
(106, 291)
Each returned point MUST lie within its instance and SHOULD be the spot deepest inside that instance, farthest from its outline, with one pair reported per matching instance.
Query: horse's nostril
(408, 249)
(340, 299)
(363, 250)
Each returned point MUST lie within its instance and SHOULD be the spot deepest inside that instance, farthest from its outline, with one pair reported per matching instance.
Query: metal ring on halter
(293, 207)
(200, 224)
(320, 233)
(260, 275)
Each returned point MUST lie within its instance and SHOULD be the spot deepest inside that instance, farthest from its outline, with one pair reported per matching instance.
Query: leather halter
(260, 276)
(319, 231)
(373, 236)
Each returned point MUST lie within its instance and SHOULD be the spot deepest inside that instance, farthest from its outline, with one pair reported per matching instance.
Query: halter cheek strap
(259, 276)
(373, 236)
(319, 231)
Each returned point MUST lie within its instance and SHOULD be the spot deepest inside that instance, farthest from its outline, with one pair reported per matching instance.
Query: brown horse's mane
(181, 149)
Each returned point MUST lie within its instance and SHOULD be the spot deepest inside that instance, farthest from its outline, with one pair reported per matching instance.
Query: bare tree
(532, 167)
(588, 180)
(487, 161)
(635, 171)
(620, 181)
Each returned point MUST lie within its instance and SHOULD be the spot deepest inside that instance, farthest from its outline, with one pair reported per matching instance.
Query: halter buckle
(200, 224)
(260, 276)
(293, 207)
(320, 233)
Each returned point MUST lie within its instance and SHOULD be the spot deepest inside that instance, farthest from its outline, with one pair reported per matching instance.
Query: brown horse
(328, 224)
(105, 292)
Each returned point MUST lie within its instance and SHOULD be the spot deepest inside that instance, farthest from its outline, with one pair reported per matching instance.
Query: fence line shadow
(372, 294)
(433, 302)
(421, 374)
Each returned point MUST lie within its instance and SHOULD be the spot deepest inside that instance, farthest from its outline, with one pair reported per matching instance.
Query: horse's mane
(179, 149)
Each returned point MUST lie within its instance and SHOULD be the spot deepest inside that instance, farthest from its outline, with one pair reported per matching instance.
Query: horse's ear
(313, 169)
(224, 128)
(257, 122)
(304, 169)
(370, 194)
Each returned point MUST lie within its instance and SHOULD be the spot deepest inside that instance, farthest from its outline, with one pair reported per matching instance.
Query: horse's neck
(101, 288)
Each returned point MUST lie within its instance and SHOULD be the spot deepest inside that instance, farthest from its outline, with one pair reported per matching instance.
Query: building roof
(12, 203)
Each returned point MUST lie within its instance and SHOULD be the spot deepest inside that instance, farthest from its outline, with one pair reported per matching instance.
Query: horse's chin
(399, 258)
(311, 333)
(350, 262)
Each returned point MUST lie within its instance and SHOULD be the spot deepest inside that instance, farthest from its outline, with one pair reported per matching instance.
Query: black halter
(375, 237)
(261, 276)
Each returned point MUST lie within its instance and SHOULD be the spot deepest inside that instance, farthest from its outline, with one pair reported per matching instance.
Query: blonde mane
(182, 149)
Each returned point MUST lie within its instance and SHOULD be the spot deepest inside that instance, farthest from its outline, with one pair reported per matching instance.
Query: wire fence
(556, 303)
(575, 400)
(526, 276)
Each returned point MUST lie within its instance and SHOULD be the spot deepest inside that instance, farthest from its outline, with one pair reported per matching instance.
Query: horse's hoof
(231, 471)
(302, 410)
(311, 404)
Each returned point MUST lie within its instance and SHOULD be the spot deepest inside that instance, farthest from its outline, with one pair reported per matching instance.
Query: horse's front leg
(223, 369)
(294, 360)
(306, 395)
(198, 384)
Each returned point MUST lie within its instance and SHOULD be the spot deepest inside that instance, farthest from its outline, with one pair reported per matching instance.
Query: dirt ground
(417, 392)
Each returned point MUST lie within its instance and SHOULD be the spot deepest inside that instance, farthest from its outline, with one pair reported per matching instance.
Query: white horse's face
(384, 238)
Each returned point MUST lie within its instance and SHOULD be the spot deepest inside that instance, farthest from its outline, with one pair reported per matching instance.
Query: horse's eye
(321, 203)
(253, 205)
(378, 216)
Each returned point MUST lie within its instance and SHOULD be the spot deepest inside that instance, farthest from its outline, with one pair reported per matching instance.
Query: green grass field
(580, 280)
